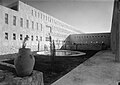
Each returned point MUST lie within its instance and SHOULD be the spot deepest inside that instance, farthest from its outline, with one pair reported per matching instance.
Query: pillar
(115, 31)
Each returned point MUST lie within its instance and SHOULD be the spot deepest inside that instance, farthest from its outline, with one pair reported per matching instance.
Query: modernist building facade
(19, 20)
(90, 41)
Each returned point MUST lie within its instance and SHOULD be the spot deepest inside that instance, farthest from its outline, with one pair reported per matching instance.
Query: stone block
(10, 79)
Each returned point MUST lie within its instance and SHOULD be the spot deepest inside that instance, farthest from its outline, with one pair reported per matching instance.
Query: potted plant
(24, 62)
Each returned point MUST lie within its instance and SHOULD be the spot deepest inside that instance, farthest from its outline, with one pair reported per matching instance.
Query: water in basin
(62, 53)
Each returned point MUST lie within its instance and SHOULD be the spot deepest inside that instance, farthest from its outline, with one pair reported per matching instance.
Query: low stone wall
(7, 78)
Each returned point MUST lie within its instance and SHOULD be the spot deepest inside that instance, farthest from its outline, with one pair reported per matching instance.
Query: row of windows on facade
(89, 36)
(42, 16)
(47, 18)
(93, 42)
(21, 37)
(101, 43)
(86, 42)
(21, 22)
(56, 41)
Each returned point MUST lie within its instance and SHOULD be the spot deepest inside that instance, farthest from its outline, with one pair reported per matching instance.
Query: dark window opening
(6, 18)
(21, 22)
(32, 25)
(36, 38)
(40, 38)
(32, 37)
(14, 20)
(37, 26)
(21, 37)
(27, 36)
(32, 12)
(35, 14)
(41, 27)
(6, 36)
(47, 38)
(27, 23)
(14, 36)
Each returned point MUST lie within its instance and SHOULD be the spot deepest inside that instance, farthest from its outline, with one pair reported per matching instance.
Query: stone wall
(115, 30)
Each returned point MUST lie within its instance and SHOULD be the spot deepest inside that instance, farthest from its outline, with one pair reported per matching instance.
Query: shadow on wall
(98, 42)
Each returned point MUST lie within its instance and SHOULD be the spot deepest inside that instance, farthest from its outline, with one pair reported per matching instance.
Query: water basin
(62, 53)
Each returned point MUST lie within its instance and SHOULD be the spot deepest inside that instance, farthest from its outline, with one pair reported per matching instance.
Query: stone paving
(101, 69)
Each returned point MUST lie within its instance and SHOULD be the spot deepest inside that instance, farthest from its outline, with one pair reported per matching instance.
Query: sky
(88, 16)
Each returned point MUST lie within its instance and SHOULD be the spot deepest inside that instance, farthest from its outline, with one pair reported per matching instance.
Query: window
(47, 38)
(32, 37)
(40, 38)
(50, 29)
(14, 20)
(41, 27)
(21, 22)
(36, 38)
(37, 26)
(6, 36)
(21, 37)
(27, 36)
(27, 23)
(35, 14)
(50, 19)
(6, 18)
(38, 15)
(41, 16)
(14, 36)
(32, 25)
(46, 18)
(32, 12)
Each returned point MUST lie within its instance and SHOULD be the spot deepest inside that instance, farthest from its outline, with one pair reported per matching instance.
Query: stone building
(19, 20)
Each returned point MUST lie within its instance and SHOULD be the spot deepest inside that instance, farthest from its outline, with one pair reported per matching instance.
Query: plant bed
(52, 71)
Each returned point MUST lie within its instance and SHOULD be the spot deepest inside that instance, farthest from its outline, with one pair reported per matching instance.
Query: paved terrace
(101, 69)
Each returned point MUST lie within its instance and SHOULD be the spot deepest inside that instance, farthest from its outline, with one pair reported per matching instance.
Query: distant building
(91, 41)
(19, 20)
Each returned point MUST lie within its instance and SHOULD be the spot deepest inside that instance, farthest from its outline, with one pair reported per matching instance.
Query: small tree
(52, 52)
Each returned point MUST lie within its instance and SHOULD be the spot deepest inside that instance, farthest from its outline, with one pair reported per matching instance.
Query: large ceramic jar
(24, 63)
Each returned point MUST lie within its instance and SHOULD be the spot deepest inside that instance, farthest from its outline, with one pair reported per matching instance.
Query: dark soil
(52, 71)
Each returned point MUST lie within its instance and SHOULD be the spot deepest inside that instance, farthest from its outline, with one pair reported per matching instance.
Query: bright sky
(89, 16)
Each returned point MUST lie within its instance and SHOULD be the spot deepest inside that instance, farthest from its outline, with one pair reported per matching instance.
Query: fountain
(53, 52)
